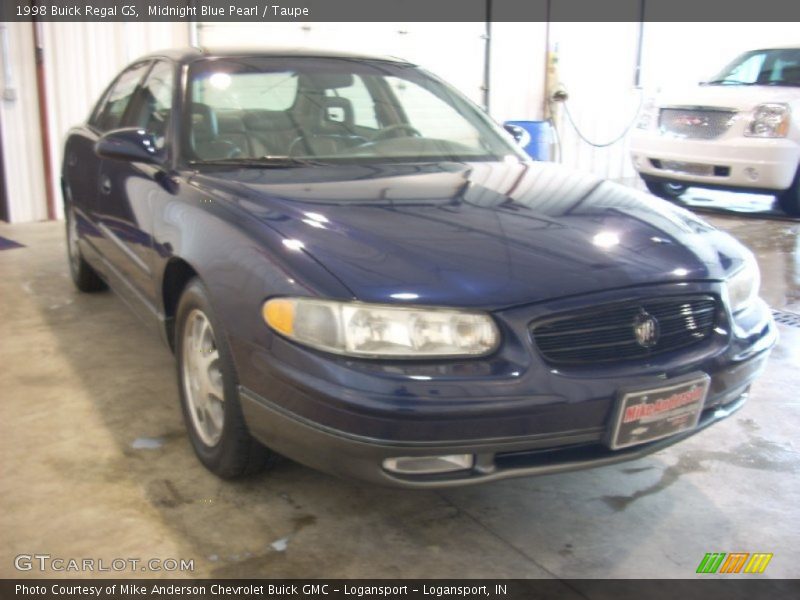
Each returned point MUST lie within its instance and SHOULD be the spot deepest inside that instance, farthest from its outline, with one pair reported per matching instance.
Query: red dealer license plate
(655, 413)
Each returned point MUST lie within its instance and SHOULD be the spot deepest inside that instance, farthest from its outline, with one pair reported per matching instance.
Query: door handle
(105, 185)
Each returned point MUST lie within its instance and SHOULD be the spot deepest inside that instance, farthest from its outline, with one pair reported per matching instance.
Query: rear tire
(665, 189)
(209, 391)
(789, 200)
(84, 276)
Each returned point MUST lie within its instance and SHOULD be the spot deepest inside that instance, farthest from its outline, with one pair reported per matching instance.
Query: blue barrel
(537, 140)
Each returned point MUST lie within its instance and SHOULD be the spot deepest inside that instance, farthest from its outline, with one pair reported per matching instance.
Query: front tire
(83, 276)
(666, 189)
(209, 391)
(789, 200)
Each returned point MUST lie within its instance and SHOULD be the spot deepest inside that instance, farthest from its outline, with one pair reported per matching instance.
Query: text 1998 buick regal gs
(359, 270)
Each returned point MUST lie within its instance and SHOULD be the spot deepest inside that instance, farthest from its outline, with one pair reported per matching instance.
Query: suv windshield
(762, 67)
(289, 111)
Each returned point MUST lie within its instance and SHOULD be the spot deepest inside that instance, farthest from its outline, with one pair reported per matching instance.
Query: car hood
(738, 97)
(487, 235)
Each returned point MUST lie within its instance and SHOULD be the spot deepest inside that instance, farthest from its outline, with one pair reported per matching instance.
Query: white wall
(22, 149)
(80, 60)
(518, 68)
(596, 66)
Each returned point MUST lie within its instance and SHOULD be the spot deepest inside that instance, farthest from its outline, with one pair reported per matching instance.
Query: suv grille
(700, 123)
(626, 331)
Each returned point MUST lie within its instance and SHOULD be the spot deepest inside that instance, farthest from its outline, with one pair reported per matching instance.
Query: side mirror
(517, 132)
(132, 144)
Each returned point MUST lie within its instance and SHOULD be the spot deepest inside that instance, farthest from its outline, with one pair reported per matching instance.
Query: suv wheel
(209, 391)
(665, 189)
(789, 200)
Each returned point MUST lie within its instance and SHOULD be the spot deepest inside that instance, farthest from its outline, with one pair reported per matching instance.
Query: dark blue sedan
(356, 268)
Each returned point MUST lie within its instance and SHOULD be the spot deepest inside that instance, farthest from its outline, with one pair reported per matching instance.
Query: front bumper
(515, 414)
(737, 161)
(337, 453)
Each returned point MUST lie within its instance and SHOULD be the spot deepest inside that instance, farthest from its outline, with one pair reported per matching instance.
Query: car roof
(190, 54)
(781, 47)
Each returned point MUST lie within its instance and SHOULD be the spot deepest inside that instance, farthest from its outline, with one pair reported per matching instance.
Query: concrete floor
(95, 463)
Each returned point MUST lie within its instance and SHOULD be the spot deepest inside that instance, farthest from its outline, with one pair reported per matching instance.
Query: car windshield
(762, 67)
(284, 112)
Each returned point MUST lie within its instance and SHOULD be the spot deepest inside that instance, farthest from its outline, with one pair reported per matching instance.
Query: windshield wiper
(263, 162)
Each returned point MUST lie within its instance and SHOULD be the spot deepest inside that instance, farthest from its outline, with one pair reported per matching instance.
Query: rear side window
(109, 115)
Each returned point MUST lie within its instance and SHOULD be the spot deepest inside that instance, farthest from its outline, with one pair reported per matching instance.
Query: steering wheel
(388, 131)
(296, 143)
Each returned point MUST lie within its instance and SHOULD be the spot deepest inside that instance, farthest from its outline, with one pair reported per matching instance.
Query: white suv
(738, 131)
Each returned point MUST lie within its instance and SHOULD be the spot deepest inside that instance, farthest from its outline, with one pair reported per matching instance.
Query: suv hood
(738, 97)
(487, 235)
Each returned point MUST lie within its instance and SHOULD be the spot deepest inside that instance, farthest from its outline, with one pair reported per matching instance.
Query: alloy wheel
(202, 378)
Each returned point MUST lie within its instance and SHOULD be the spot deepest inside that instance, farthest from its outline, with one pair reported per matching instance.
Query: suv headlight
(769, 121)
(382, 331)
(743, 285)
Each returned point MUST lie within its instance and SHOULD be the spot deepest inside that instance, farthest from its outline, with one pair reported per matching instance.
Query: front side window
(110, 113)
(153, 105)
(332, 110)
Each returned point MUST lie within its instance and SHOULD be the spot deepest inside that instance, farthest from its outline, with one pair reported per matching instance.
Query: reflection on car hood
(481, 234)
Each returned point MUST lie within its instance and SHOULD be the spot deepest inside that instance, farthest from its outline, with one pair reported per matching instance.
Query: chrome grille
(695, 123)
(607, 333)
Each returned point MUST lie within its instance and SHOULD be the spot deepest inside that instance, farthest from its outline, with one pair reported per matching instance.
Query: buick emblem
(646, 330)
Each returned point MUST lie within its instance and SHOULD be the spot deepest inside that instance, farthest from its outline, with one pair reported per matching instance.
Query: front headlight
(769, 121)
(378, 330)
(743, 285)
